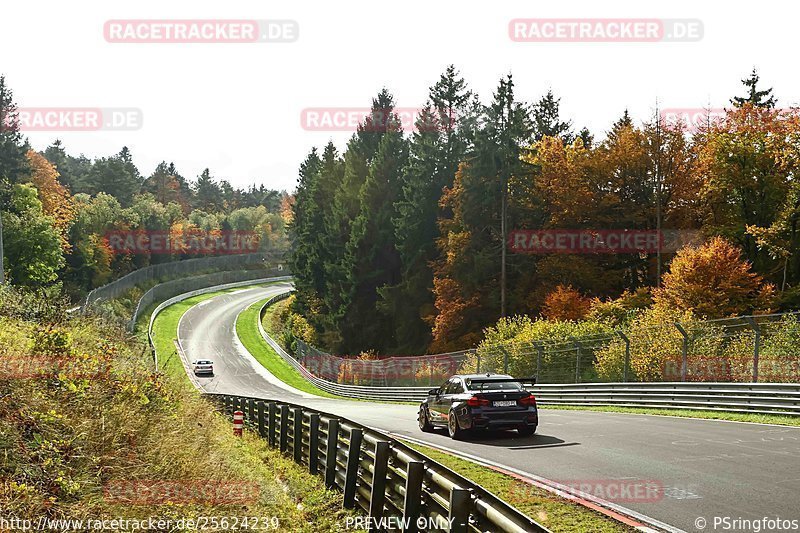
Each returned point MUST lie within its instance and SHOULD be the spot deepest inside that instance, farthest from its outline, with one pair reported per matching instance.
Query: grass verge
(247, 330)
(90, 432)
(556, 513)
(787, 420)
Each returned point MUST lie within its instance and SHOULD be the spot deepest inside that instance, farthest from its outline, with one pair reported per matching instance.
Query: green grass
(556, 513)
(247, 330)
(686, 413)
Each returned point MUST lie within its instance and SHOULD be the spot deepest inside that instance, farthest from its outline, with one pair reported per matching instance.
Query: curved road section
(694, 471)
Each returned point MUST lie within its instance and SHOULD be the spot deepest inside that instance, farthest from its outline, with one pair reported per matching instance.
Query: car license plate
(505, 403)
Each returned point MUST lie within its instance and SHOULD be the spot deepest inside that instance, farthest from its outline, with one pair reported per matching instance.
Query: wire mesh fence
(757, 348)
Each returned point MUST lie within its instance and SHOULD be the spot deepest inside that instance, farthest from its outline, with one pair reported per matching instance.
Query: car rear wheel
(424, 423)
(526, 431)
(453, 429)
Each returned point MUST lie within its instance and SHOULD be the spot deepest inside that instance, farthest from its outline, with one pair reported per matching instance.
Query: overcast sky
(236, 108)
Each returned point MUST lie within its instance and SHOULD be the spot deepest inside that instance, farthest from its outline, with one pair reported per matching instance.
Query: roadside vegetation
(88, 430)
(552, 511)
(247, 330)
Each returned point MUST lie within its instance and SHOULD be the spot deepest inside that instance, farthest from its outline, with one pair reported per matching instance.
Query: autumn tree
(747, 165)
(566, 303)
(56, 200)
(713, 281)
(163, 184)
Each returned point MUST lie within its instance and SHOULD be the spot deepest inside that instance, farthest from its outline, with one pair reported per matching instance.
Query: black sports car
(480, 401)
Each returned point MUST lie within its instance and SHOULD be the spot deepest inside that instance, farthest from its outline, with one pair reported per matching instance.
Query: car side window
(453, 387)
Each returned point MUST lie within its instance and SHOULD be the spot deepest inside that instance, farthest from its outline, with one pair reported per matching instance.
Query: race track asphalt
(706, 468)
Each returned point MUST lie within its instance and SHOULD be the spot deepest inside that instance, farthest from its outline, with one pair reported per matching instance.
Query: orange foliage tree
(566, 303)
(56, 200)
(713, 281)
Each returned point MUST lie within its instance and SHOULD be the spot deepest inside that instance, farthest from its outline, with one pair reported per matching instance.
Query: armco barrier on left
(384, 478)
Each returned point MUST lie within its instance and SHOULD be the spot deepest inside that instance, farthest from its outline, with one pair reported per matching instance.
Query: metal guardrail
(399, 488)
(758, 398)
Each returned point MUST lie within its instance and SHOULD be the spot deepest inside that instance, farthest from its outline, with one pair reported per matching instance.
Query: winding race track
(704, 468)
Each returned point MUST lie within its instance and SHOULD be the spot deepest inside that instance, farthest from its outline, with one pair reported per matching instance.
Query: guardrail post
(756, 346)
(684, 350)
(313, 443)
(459, 510)
(351, 473)
(298, 435)
(413, 500)
(251, 410)
(377, 497)
(627, 355)
(284, 427)
(330, 452)
(262, 432)
(273, 422)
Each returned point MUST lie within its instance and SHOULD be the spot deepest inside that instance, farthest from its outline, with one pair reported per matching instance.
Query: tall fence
(398, 488)
(749, 349)
(176, 269)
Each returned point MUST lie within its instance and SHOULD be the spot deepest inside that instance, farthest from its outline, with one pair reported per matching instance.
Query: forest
(400, 241)
(61, 213)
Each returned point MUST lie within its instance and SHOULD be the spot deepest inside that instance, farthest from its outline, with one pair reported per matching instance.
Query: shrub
(620, 311)
(565, 303)
(515, 339)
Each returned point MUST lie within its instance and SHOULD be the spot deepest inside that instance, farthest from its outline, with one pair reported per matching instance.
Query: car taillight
(528, 401)
(477, 402)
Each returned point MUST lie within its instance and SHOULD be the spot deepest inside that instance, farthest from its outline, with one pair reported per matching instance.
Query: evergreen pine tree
(755, 97)
(547, 121)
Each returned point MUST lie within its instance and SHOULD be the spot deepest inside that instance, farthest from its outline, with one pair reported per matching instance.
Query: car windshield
(494, 385)
(204, 362)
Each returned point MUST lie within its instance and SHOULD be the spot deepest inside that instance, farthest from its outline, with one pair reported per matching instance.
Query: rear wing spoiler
(524, 381)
